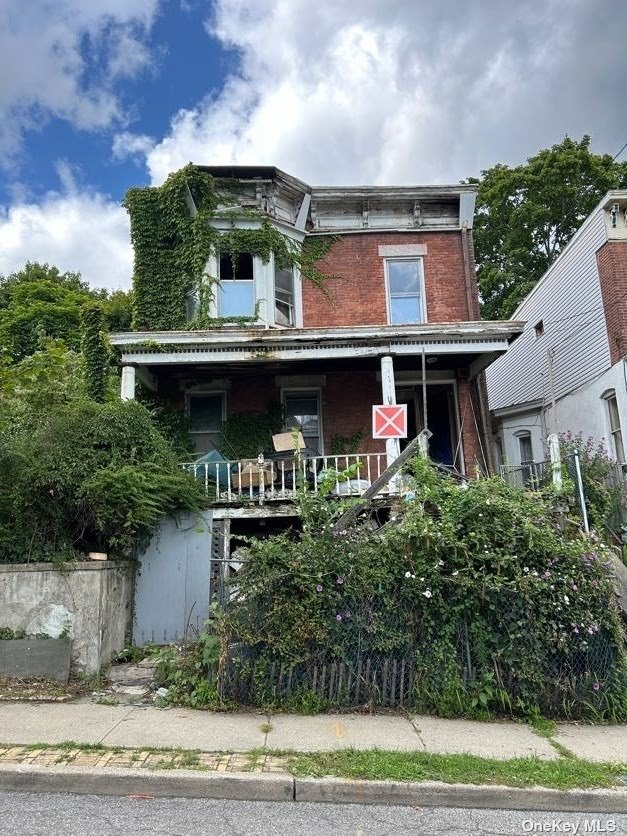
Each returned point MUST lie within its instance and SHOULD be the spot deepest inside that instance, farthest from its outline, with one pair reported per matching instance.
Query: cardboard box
(251, 475)
(284, 442)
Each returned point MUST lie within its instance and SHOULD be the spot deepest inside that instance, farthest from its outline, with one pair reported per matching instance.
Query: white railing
(261, 479)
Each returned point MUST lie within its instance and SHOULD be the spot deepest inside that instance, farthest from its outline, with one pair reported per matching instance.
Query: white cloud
(84, 232)
(49, 59)
(132, 145)
(345, 92)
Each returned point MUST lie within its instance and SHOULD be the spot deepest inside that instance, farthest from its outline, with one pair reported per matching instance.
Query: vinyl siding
(568, 301)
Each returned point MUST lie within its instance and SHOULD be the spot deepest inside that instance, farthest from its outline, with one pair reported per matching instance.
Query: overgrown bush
(606, 495)
(81, 476)
(493, 606)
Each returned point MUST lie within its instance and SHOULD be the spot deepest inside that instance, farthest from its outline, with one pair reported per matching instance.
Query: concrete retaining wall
(90, 603)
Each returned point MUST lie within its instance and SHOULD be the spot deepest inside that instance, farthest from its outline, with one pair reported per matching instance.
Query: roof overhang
(518, 408)
(484, 340)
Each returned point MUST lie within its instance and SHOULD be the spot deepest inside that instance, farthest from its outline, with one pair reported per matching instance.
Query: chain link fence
(487, 660)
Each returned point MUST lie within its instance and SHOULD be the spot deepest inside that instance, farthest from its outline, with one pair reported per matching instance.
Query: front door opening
(444, 446)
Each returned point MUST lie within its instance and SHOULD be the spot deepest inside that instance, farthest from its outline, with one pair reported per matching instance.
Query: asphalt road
(27, 814)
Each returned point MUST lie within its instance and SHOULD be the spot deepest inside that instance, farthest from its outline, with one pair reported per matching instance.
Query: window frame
(221, 393)
(421, 295)
(526, 436)
(615, 432)
(292, 304)
(222, 283)
(304, 390)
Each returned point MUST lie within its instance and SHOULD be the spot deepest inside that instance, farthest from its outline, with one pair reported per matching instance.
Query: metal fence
(532, 476)
(539, 475)
(557, 677)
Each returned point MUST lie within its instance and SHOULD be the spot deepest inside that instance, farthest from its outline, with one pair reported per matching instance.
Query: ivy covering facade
(172, 247)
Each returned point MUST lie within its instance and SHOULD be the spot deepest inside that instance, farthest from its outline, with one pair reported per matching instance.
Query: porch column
(127, 389)
(388, 393)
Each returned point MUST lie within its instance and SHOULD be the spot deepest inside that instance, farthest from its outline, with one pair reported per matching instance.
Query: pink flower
(319, 588)
(338, 617)
(595, 686)
(340, 580)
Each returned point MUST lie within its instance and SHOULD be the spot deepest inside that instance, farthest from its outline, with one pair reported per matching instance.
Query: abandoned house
(347, 297)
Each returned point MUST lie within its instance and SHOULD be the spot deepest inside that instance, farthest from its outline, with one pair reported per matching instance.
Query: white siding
(568, 301)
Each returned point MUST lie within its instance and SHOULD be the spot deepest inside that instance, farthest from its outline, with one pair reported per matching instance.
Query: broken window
(284, 296)
(237, 291)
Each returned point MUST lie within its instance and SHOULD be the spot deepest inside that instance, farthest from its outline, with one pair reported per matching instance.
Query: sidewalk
(147, 752)
(137, 727)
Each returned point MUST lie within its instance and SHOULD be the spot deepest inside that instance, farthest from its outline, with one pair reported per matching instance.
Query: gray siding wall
(568, 300)
(172, 588)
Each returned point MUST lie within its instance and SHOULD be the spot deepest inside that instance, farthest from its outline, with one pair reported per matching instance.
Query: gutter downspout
(467, 280)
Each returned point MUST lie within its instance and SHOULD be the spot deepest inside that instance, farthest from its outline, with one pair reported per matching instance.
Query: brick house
(396, 316)
(568, 370)
(400, 299)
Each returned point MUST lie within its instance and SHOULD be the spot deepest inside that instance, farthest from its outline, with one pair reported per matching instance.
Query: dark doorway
(441, 419)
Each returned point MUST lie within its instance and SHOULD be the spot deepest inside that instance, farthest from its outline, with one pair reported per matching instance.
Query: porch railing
(278, 478)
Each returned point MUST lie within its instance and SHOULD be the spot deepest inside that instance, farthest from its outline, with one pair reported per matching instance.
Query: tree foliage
(95, 352)
(527, 214)
(39, 301)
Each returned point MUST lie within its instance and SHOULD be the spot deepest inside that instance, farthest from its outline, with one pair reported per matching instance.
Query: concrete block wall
(91, 603)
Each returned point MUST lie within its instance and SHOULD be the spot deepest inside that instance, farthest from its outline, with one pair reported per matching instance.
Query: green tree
(40, 300)
(527, 214)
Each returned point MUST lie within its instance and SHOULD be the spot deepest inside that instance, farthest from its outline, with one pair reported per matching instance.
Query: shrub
(605, 495)
(491, 604)
(84, 476)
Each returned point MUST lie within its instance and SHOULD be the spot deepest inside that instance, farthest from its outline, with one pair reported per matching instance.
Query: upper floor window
(236, 296)
(284, 296)
(616, 432)
(405, 287)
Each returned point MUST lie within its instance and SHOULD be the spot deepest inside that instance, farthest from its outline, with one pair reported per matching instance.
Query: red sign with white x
(389, 421)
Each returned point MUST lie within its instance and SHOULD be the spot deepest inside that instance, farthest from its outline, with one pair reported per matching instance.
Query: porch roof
(484, 340)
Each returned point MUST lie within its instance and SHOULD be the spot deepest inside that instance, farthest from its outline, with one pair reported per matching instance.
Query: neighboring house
(573, 349)
(400, 295)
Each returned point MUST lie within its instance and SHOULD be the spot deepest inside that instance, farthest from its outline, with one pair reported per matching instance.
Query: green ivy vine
(172, 248)
(95, 352)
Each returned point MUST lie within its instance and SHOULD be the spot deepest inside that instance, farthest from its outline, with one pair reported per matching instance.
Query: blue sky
(100, 95)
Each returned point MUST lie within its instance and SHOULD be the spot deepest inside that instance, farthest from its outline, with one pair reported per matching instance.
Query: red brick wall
(347, 401)
(357, 295)
(612, 264)
(251, 394)
(470, 419)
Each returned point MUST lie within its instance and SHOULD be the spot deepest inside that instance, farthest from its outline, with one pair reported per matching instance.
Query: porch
(324, 382)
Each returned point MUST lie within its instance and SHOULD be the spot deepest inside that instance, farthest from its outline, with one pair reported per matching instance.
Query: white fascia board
(402, 192)
(227, 224)
(505, 329)
(259, 354)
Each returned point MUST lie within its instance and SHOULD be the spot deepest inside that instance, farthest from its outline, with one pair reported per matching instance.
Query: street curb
(244, 786)
(434, 794)
(173, 783)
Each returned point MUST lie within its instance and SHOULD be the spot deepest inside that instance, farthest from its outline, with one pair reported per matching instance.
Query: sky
(97, 96)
